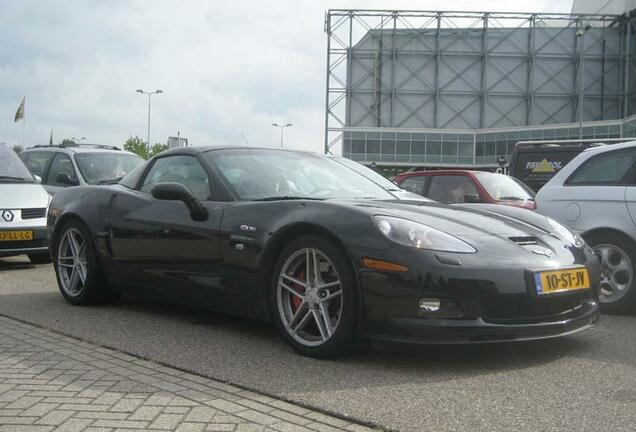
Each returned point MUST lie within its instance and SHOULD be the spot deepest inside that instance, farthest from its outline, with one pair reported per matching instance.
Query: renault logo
(7, 215)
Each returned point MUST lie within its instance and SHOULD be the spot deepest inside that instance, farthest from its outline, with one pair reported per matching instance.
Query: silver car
(78, 165)
(23, 210)
(595, 195)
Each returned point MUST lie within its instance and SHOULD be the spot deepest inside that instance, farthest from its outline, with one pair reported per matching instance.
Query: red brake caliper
(296, 301)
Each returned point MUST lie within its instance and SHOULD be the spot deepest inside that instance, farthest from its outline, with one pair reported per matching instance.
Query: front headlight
(409, 233)
(565, 235)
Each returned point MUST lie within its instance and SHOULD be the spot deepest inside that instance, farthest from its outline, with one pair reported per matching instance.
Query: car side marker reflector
(383, 265)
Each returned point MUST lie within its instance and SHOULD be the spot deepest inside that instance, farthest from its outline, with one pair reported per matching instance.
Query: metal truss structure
(475, 70)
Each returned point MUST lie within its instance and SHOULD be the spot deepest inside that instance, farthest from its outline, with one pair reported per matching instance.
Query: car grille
(22, 244)
(527, 309)
(33, 213)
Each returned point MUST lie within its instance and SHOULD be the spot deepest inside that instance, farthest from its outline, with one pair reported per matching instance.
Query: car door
(596, 192)
(61, 174)
(156, 243)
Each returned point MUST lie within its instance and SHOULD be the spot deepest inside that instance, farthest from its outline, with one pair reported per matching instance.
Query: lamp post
(281, 126)
(580, 33)
(149, 93)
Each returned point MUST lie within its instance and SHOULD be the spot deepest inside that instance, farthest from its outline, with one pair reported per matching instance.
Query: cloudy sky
(228, 68)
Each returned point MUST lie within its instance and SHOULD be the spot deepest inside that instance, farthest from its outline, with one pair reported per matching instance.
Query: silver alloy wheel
(617, 272)
(71, 262)
(309, 297)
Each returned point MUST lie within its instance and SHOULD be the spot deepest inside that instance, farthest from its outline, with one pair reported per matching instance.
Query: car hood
(22, 195)
(469, 220)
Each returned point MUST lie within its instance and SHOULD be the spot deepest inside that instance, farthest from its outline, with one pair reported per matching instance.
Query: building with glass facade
(453, 89)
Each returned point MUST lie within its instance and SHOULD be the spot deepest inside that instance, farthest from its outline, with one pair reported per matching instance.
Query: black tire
(94, 289)
(41, 258)
(627, 302)
(344, 337)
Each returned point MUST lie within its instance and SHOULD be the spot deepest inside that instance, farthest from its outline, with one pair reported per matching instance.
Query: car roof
(444, 172)
(202, 149)
(77, 149)
(611, 147)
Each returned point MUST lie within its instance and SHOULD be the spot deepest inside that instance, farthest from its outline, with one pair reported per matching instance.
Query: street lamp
(580, 33)
(281, 126)
(149, 93)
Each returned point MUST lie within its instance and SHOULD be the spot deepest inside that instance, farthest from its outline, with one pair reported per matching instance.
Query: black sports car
(328, 254)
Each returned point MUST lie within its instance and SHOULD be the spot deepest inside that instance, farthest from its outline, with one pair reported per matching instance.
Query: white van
(23, 210)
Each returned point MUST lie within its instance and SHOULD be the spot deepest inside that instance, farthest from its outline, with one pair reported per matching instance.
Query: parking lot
(582, 382)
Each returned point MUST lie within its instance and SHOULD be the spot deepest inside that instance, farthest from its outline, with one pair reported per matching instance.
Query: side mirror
(66, 179)
(37, 178)
(178, 192)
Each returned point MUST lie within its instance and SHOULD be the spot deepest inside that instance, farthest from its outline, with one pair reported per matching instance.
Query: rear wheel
(314, 297)
(79, 274)
(616, 254)
(43, 258)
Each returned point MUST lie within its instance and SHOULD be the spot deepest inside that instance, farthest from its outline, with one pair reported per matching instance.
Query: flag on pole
(19, 114)
(51, 139)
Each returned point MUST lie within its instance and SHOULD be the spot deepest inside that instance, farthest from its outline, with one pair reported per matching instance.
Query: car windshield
(257, 174)
(98, 167)
(12, 170)
(370, 173)
(503, 187)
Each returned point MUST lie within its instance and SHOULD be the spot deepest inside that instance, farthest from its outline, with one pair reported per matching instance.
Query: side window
(37, 161)
(615, 167)
(414, 184)
(452, 189)
(186, 170)
(61, 165)
(131, 180)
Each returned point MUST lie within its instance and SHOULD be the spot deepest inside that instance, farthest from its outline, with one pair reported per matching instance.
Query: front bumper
(451, 331)
(39, 244)
(483, 297)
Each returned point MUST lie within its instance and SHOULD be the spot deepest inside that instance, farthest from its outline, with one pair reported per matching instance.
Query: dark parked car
(78, 165)
(326, 253)
(464, 186)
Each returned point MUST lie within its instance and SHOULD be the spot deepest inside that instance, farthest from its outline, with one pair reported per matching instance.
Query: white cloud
(227, 67)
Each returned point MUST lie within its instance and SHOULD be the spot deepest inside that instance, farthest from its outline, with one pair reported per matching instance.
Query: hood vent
(525, 241)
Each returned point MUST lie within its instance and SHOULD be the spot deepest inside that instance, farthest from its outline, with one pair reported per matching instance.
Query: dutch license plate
(16, 235)
(562, 280)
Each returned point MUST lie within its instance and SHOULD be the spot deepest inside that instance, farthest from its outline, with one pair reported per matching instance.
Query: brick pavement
(51, 382)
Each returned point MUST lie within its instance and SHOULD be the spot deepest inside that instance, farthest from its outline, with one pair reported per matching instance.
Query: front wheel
(616, 254)
(315, 297)
(78, 272)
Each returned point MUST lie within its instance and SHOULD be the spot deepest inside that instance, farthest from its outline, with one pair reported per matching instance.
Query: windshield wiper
(3, 177)
(514, 198)
(110, 181)
(288, 197)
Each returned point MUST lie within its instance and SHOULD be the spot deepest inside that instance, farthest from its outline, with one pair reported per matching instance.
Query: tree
(68, 142)
(137, 146)
(158, 148)
(17, 148)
